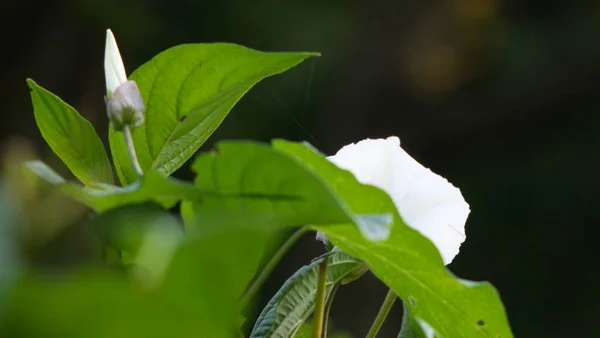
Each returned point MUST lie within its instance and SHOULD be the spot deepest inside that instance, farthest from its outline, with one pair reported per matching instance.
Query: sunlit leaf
(70, 136)
(188, 90)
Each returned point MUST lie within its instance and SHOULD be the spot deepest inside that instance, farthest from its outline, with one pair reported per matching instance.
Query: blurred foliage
(500, 97)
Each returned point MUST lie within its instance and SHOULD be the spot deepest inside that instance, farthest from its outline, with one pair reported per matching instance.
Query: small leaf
(295, 301)
(151, 187)
(410, 327)
(70, 136)
(188, 90)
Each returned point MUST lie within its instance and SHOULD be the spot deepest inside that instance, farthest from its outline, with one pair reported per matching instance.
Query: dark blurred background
(500, 97)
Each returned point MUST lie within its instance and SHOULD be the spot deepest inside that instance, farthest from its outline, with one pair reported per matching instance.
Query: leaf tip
(32, 84)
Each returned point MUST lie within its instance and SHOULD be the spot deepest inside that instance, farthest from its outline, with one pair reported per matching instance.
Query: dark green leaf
(70, 136)
(295, 301)
(188, 90)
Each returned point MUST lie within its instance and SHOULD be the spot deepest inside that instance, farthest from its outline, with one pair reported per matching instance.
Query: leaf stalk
(319, 316)
(131, 150)
(389, 300)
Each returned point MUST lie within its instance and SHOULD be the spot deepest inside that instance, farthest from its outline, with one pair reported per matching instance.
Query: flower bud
(114, 70)
(126, 107)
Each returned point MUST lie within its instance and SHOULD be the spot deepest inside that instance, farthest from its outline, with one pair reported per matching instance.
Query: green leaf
(126, 228)
(223, 260)
(410, 326)
(98, 305)
(295, 301)
(151, 187)
(70, 136)
(197, 297)
(188, 90)
(312, 190)
(252, 181)
(407, 261)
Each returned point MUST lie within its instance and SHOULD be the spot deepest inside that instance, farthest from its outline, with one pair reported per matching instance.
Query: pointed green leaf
(407, 261)
(70, 136)
(151, 187)
(295, 301)
(188, 90)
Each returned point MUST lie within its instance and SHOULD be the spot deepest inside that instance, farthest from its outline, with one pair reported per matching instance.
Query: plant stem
(318, 317)
(262, 277)
(131, 150)
(389, 300)
(328, 303)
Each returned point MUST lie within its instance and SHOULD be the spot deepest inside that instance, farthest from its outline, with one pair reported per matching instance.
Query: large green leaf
(70, 136)
(295, 301)
(188, 90)
(252, 181)
(243, 175)
(151, 187)
(407, 261)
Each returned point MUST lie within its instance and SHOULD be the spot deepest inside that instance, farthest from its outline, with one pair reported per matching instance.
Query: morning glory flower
(426, 201)
(123, 99)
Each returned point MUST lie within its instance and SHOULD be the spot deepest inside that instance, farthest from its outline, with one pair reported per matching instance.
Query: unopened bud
(125, 106)
(114, 69)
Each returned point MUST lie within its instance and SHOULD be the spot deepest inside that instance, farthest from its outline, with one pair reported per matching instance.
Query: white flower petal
(114, 70)
(426, 201)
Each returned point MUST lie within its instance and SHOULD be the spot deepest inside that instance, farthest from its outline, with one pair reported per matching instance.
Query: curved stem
(328, 303)
(131, 150)
(389, 300)
(318, 318)
(262, 277)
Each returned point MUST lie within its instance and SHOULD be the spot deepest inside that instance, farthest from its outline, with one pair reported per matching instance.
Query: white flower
(426, 201)
(123, 99)
(114, 70)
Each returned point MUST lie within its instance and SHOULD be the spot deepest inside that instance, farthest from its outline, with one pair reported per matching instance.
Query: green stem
(389, 300)
(131, 150)
(328, 303)
(319, 316)
(262, 277)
